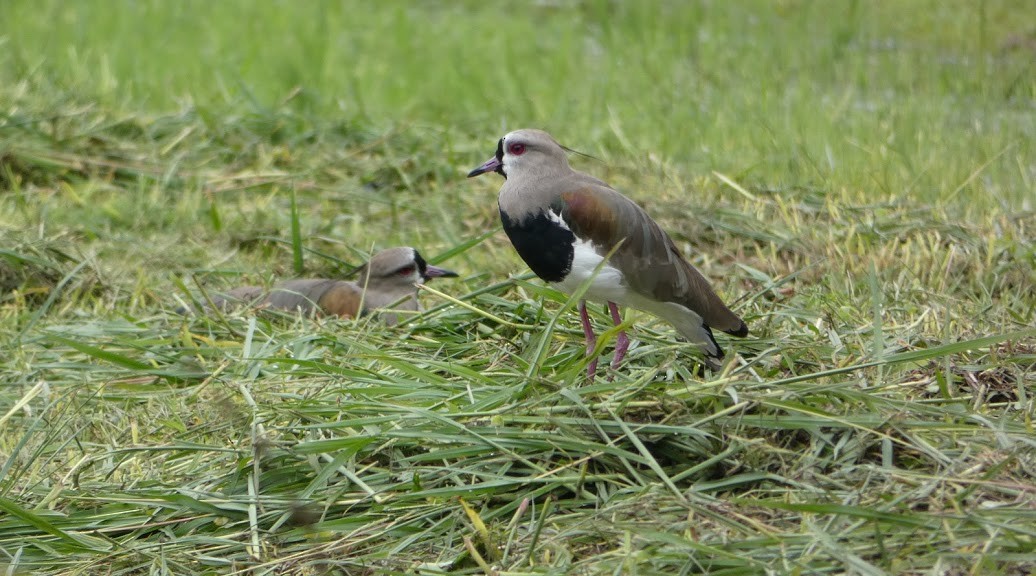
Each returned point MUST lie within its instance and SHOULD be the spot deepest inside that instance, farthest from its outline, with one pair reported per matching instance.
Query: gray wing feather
(651, 263)
(301, 295)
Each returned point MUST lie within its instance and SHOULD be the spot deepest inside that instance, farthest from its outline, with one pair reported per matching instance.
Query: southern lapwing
(563, 223)
(388, 279)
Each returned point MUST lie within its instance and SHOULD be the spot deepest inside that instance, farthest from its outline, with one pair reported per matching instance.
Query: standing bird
(388, 278)
(563, 223)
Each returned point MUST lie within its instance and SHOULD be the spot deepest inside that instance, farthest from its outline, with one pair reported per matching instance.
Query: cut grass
(857, 180)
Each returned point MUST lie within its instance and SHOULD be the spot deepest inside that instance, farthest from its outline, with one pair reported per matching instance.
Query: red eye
(405, 271)
(516, 149)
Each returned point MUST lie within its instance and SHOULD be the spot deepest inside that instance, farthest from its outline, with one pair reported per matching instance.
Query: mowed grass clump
(861, 193)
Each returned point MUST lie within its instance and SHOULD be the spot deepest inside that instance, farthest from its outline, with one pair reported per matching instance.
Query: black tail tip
(741, 331)
(714, 363)
(709, 363)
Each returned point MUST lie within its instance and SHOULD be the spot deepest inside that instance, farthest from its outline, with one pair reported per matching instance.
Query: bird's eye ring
(517, 149)
(405, 271)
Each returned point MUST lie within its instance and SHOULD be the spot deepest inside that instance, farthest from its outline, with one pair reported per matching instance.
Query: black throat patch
(545, 245)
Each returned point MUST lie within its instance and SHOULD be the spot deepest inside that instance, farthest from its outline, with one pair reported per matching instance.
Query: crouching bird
(563, 223)
(388, 279)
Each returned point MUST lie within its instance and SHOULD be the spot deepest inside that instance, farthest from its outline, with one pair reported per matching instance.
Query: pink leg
(622, 342)
(591, 340)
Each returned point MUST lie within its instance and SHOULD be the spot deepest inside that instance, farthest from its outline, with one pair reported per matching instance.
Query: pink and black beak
(494, 164)
(436, 272)
(428, 271)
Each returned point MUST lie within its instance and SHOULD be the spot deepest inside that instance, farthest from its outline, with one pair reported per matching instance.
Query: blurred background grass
(887, 98)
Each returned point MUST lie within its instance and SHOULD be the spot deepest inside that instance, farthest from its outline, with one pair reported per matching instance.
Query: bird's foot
(622, 342)
(591, 370)
(591, 341)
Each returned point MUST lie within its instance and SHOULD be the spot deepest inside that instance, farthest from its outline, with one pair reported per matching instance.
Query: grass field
(858, 178)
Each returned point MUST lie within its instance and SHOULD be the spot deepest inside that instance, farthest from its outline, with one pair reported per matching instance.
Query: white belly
(607, 286)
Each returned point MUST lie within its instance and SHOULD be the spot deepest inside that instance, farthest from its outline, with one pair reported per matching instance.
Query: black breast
(545, 245)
